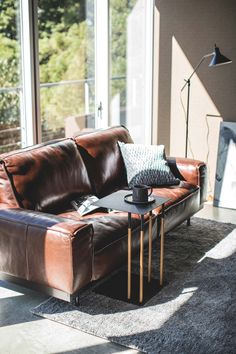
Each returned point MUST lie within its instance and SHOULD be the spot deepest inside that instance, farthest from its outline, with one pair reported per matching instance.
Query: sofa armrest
(191, 171)
(46, 249)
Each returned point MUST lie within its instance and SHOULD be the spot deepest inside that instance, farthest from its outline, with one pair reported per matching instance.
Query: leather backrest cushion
(103, 159)
(7, 196)
(47, 177)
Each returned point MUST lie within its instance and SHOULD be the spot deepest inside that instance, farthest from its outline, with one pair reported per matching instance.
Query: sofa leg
(74, 300)
(188, 222)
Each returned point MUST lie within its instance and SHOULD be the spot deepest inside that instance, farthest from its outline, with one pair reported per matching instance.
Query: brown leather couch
(44, 243)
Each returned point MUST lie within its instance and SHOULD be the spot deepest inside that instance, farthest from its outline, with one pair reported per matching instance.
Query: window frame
(30, 93)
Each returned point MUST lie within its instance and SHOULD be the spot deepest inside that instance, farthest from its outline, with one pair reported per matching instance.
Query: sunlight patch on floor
(224, 249)
(7, 293)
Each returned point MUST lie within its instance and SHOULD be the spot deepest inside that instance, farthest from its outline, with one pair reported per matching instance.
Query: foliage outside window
(66, 52)
(9, 76)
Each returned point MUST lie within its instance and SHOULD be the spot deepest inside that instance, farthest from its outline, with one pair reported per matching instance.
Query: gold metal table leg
(141, 261)
(150, 247)
(162, 249)
(141, 268)
(129, 258)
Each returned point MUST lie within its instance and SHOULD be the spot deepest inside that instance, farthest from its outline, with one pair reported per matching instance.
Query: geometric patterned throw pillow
(146, 164)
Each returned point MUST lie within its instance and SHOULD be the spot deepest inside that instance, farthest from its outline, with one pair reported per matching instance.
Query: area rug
(194, 313)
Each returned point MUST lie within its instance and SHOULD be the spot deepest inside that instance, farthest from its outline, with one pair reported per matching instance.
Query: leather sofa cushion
(45, 177)
(103, 159)
(174, 193)
(109, 227)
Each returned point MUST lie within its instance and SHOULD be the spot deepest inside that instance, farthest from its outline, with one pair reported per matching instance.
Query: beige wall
(185, 30)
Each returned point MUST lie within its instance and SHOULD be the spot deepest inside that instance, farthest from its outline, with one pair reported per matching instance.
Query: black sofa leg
(188, 222)
(74, 300)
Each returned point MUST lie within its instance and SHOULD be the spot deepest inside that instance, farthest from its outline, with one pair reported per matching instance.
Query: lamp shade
(218, 58)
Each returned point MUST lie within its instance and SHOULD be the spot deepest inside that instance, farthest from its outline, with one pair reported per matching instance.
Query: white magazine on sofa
(83, 205)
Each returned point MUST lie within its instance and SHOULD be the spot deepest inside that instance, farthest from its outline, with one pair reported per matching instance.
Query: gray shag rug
(194, 313)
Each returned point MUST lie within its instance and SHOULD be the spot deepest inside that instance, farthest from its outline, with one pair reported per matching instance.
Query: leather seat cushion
(108, 227)
(174, 193)
(110, 239)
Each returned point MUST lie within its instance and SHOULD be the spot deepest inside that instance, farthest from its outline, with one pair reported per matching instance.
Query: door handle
(100, 109)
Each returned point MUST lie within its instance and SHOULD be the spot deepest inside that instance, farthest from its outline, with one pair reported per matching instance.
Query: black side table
(116, 201)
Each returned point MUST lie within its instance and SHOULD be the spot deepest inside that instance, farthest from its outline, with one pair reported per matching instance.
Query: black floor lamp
(218, 59)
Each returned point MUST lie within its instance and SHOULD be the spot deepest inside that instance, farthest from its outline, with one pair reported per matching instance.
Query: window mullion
(101, 62)
(30, 78)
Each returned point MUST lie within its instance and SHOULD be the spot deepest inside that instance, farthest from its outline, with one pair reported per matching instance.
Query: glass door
(66, 67)
(130, 79)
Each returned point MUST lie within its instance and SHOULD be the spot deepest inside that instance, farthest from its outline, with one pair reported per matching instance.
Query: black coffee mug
(141, 193)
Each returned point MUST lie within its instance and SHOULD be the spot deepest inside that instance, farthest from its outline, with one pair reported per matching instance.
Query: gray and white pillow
(146, 164)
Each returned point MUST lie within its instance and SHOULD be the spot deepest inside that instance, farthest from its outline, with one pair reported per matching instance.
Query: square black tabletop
(116, 201)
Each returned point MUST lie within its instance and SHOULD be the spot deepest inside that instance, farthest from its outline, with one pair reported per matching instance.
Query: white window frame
(149, 67)
(30, 103)
(101, 62)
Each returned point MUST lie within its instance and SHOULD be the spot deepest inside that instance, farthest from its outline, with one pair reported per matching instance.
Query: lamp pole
(188, 83)
(187, 118)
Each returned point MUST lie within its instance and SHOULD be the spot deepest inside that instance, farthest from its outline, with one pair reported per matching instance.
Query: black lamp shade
(219, 59)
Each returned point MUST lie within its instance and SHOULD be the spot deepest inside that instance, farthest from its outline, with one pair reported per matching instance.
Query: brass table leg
(141, 261)
(150, 247)
(162, 247)
(129, 257)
